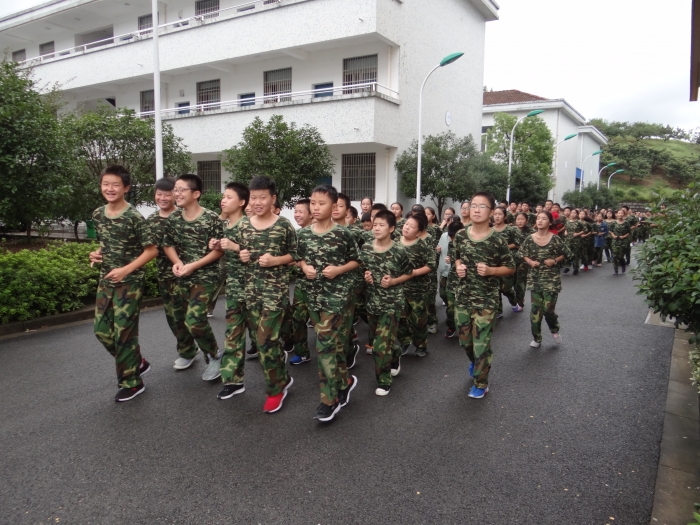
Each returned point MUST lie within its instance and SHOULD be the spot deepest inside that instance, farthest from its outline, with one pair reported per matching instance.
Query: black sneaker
(404, 349)
(230, 390)
(127, 394)
(450, 333)
(421, 352)
(350, 360)
(326, 412)
(288, 347)
(309, 324)
(566, 270)
(575, 272)
(344, 395)
(251, 352)
(355, 335)
(144, 367)
(624, 268)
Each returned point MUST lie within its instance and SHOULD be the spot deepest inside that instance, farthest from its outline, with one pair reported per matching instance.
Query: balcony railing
(367, 89)
(163, 29)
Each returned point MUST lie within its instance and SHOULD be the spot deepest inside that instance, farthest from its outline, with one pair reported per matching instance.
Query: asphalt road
(567, 435)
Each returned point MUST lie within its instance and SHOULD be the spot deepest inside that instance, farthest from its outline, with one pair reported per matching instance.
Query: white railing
(178, 25)
(313, 95)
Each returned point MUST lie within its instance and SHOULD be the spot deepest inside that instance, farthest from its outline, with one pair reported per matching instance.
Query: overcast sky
(615, 59)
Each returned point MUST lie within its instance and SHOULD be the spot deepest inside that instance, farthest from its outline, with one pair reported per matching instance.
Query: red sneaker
(274, 403)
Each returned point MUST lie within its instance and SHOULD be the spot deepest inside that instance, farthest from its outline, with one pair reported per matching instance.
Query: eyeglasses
(181, 190)
(480, 207)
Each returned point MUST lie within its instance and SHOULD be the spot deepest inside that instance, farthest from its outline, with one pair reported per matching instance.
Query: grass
(676, 147)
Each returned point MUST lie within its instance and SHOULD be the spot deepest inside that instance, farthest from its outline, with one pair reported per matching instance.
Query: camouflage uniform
(191, 241)
(328, 303)
(620, 246)
(267, 293)
(435, 234)
(575, 243)
(384, 305)
(413, 326)
(521, 267)
(398, 231)
(544, 283)
(358, 291)
(294, 329)
(507, 283)
(476, 298)
(122, 240)
(531, 219)
(632, 221)
(510, 218)
(166, 287)
(450, 284)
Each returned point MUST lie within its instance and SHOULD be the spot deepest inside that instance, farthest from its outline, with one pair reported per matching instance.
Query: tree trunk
(75, 230)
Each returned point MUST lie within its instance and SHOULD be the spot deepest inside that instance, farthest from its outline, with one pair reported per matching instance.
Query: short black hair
(326, 189)
(345, 199)
(486, 195)
(549, 200)
(417, 207)
(377, 206)
(353, 212)
(118, 170)
(241, 190)
(389, 217)
(557, 204)
(399, 205)
(453, 228)
(371, 200)
(165, 184)
(304, 202)
(193, 181)
(420, 218)
(366, 217)
(523, 214)
(567, 208)
(626, 207)
(262, 182)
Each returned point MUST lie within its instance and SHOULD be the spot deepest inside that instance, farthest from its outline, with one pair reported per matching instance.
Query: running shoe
(499, 316)
(127, 394)
(144, 367)
(274, 403)
(251, 352)
(420, 352)
(382, 391)
(299, 359)
(213, 369)
(210, 314)
(517, 308)
(471, 370)
(478, 393)
(624, 268)
(368, 349)
(450, 333)
(182, 363)
(557, 339)
(230, 390)
(535, 344)
(344, 395)
(432, 329)
(350, 360)
(404, 349)
(396, 369)
(325, 413)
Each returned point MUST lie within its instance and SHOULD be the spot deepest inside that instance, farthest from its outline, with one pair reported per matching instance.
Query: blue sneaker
(471, 370)
(478, 393)
(299, 360)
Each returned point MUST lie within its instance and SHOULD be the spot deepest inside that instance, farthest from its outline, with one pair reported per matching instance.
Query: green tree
(591, 197)
(634, 158)
(451, 169)
(35, 157)
(296, 158)
(533, 151)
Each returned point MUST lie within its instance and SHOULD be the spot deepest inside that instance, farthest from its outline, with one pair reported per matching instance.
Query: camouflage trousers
(543, 304)
(233, 360)
(448, 297)
(190, 311)
(598, 254)
(294, 329)
(185, 342)
(384, 328)
(520, 283)
(116, 326)
(628, 248)
(267, 326)
(346, 329)
(220, 287)
(430, 298)
(332, 369)
(608, 248)
(475, 329)
(506, 289)
(619, 252)
(359, 302)
(413, 326)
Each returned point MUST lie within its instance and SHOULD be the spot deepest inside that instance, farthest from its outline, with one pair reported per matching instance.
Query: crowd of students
(377, 268)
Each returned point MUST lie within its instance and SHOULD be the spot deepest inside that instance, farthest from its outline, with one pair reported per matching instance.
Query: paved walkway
(567, 435)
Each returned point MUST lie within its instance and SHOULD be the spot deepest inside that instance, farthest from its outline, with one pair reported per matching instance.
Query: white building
(351, 68)
(562, 120)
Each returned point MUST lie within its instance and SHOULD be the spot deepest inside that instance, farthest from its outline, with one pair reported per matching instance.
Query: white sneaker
(368, 350)
(213, 369)
(395, 371)
(557, 339)
(432, 329)
(181, 363)
(382, 391)
(210, 314)
(534, 344)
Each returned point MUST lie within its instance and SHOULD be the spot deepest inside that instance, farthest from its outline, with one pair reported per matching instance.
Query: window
(209, 92)
(267, 2)
(248, 97)
(359, 70)
(327, 87)
(145, 22)
(276, 83)
(358, 175)
(210, 173)
(207, 8)
(19, 56)
(47, 50)
(148, 101)
(183, 105)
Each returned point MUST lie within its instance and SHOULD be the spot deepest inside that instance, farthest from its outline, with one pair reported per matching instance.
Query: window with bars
(47, 49)
(359, 70)
(148, 100)
(358, 175)
(209, 92)
(276, 84)
(267, 2)
(19, 55)
(210, 173)
(146, 22)
(206, 8)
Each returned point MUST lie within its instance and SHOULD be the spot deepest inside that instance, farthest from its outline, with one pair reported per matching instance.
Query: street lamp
(583, 171)
(611, 176)
(444, 62)
(604, 168)
(510, 152)
(156, 92)
(555, 158)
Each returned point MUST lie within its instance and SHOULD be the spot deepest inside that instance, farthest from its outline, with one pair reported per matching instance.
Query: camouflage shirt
(452, 277)
(510, 217)
(122, 240)
(531, 219)
(158, 225)
(620, 229)
(543, 278)
(419, 254)
(474, 291)
(398, 231)
(235, 269)
(632, 220)
(435, 233)
(267, 288)
(518, 238)
(335, 247)
(191, 241)
(394, 262)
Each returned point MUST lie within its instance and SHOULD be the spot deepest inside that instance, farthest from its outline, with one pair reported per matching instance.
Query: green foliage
(669, 265)
(635, 158)
(640, 130)
(52, 280)
(591, 197)
(696, 518)
(211, 200)
(533, 151)
(451, 168)
(296, 158)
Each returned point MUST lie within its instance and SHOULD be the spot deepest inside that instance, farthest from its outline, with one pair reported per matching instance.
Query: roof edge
(558, 103)
(488, 8)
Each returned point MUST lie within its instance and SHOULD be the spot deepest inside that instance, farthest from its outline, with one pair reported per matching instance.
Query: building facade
(562, 120)
(351, 68)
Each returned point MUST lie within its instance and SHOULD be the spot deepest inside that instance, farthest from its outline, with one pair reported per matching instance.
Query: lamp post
(556, 158)
(510, 151)
(156, 92)
(583, 170)
(444, 62)
(604, 168)
(612, 174)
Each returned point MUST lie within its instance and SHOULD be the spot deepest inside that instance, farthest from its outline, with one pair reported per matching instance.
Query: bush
(52, 280)
(211, 200)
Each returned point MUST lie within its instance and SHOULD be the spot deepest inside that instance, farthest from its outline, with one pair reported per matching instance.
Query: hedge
(52, 280)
